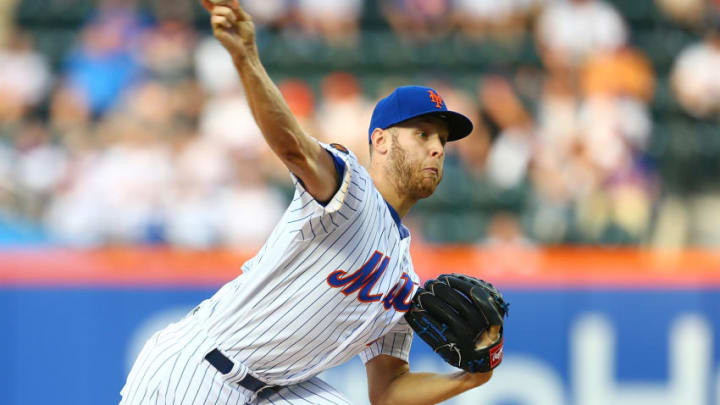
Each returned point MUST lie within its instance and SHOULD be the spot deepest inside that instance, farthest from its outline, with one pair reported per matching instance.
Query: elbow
(287, 146)
(294, 153)
(380, 400)
(297, 161)
(293, 156)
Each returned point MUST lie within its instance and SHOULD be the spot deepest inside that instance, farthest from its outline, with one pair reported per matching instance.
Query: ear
(380, 139)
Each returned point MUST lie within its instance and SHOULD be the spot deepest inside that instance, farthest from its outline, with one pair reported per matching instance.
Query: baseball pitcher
(335, 278)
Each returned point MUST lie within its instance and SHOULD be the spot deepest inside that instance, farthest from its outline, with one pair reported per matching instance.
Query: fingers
(488, 338)
(210, 4)
(219, 22)
(232, 5)
(494, 333)
(226, 12)
(241, 14)
(222, 18)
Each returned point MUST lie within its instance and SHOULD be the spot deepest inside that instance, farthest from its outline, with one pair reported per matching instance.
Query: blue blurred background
(562, 347)
(124, 126)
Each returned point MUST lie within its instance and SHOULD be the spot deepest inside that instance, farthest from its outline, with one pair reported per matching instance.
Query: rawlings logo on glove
(496, 355)
(453, 313)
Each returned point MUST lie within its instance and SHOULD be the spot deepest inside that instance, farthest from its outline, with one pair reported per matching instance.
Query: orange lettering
(435, 98)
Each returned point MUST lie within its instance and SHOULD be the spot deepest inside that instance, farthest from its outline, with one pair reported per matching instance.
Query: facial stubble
(408, 176)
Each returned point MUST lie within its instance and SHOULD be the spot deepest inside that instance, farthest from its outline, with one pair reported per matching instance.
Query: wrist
(472, 380)
(246, 61)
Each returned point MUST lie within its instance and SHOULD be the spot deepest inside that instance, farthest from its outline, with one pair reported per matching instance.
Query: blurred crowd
(142, 133)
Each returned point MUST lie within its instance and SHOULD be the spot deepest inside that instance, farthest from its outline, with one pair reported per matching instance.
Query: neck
(400, 202)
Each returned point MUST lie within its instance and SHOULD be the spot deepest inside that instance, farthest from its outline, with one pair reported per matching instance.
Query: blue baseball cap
(415, 101)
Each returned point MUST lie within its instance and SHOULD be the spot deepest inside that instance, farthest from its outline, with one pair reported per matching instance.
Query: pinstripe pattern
(283, 318)
(313, 391)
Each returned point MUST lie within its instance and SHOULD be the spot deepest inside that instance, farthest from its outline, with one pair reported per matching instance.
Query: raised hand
(233, 27)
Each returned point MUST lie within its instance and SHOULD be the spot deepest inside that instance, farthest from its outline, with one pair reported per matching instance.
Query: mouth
(432, 170)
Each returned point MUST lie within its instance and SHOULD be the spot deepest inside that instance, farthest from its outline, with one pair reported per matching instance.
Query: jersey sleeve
(311, 218)
(395, 343)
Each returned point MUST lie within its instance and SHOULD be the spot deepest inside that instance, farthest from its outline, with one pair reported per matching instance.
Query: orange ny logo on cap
(435, 98)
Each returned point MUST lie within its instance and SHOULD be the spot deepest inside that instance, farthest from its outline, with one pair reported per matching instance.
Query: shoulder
(340, 151)
(340, 148)
(351, 165)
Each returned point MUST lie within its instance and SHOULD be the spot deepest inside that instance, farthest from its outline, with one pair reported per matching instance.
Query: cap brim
(459, 126)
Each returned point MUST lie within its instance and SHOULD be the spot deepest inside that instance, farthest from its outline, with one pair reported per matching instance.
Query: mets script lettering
(365, 278)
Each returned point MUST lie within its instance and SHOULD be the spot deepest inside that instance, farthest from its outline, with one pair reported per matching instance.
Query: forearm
(279, 127)
(429, 388)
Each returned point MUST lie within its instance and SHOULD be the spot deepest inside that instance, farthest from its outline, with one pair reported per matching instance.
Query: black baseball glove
(451, 313)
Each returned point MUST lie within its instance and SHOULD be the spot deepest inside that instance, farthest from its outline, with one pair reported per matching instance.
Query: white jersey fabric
(332, 281)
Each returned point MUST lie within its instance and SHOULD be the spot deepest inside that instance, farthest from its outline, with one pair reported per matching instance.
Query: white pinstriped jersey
(330, 283)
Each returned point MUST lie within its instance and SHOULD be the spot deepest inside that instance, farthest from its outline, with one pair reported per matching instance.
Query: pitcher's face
(417, 154)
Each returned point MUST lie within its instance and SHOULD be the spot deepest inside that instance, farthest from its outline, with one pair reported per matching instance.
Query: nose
(437, 149)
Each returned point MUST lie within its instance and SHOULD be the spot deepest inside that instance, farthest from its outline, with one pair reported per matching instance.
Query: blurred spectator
(40, 166)
(104, 63)
(228, 122)
(557, 116)
(511, 131)
(24, 77)
(612, 127)
(148, 136)
(336, 21)
(200, 168)
(169, 11)
(150, 103)
(344, 114)
(249, 209)
(7, 188)
(504, 20)
(689, 12)
(219, 196)
(504, 230)
(695, 76)
(166, 51)
(7, 11)
(301, 100)
(672, 223)
(561, 172)
(506, 248)
(68, 110)
(214, 67)
(418, 20)
(190, 217)
(273, 13)
(567, 32)
(615, 119)
(621, 72)
(188, 100)
(588, 167)
(116, 197)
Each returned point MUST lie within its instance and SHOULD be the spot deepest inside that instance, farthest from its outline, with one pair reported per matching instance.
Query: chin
(422, 195)
(424, 190)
